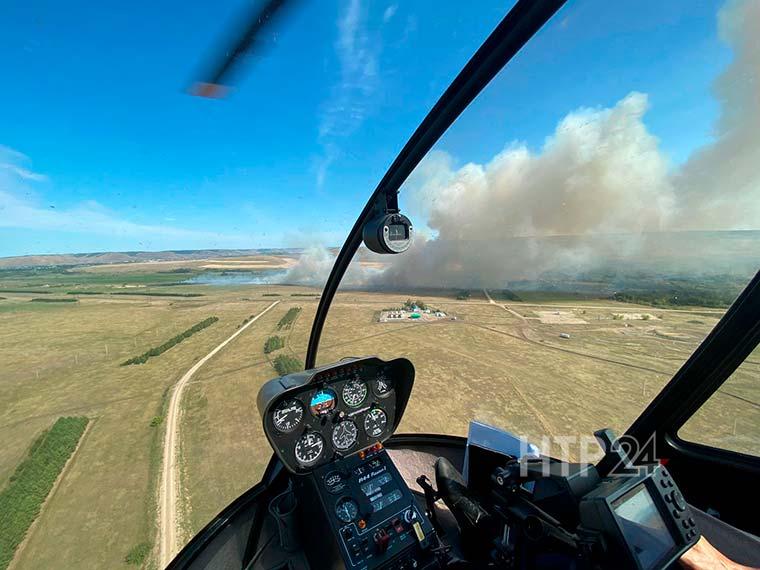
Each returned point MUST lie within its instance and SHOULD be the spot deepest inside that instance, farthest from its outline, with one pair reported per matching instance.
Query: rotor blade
(216, 82)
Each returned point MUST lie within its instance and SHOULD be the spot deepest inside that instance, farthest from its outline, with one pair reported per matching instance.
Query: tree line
(158, 350)
(288, 318)
(283, 363)
(21, 500)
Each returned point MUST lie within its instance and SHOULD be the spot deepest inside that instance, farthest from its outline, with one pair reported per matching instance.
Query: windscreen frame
(520, 24)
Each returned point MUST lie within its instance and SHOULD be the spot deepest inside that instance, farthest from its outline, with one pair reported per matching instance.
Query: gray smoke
(599, 191)
(719, 186)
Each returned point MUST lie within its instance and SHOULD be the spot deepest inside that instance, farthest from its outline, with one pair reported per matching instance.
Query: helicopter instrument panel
(314, 417)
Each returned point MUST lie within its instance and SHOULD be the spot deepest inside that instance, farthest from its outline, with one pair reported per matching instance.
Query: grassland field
(502, 364)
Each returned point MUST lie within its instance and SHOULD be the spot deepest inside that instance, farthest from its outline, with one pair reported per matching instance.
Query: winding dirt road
(168, 490)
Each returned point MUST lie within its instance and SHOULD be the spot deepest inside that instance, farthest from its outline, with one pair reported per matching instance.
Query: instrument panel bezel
(303, 385)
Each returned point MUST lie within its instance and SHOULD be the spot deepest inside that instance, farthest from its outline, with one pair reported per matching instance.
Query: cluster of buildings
(413, 313)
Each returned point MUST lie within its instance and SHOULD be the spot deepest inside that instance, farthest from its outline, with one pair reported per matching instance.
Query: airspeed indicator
(287, 415)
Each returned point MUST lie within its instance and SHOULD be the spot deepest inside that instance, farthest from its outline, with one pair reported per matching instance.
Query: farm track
(169, 485)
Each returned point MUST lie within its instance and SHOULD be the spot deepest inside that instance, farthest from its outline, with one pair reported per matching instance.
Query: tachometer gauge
(375, 422)
(287, 415)
(354, 392)
(382, 385)
(344, 435)
(322, 402)
(346, 510)
(309, 448)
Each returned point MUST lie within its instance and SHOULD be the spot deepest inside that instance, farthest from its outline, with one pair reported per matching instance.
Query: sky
(102, 149)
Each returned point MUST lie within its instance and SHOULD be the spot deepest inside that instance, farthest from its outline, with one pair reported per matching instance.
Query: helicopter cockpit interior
(328, 425)
(380, 285)
(345, 490)
(341, 492)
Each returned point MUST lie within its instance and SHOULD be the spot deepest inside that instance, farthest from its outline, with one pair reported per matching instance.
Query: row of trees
(288, 318)
(139, 293)
(22, 499)
(156, 351)
(149, 294)
(273, 343)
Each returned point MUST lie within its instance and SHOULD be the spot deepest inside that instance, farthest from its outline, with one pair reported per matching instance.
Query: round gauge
(287, 415)
(382, 385)
(346, 510)
(323, 402)
(334, 482)
(375, 422)
(344, 435)
(309, 448)
(354, 392)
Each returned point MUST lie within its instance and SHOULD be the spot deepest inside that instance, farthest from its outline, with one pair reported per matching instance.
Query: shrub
(138, 554)
(273, 343)
(285, 364)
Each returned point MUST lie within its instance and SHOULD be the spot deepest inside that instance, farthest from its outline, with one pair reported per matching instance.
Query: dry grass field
(505, 365)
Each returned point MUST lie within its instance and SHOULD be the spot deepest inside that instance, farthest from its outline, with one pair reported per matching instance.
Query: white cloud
(91, 218)
(23, 173)
(390, 11)
(357, 50)
(13, 161)
(21, 208)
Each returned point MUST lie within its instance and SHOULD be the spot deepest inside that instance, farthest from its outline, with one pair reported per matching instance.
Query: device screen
(381, 491)
(643, 526)
(396, 232)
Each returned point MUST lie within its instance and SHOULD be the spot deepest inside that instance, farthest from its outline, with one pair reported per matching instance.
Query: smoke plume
(599, 191)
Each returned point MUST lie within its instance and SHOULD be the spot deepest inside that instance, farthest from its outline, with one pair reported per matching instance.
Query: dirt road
(169, 485)
(504, 306)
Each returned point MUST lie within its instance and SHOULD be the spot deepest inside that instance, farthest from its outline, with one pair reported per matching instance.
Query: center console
(367, 505)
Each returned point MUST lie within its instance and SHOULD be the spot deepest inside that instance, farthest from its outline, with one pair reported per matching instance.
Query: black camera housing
(388, 233)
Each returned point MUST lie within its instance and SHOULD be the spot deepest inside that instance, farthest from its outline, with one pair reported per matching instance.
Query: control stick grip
(283, 508)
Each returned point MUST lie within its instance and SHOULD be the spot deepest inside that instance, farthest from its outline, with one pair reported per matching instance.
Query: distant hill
(99, 258)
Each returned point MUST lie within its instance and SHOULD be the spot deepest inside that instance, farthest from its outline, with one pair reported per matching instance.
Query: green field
(503, 363)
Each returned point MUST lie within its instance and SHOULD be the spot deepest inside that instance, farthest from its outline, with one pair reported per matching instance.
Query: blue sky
(101, 149)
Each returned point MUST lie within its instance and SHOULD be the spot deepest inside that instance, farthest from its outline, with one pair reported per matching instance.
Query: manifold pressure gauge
(388, 233)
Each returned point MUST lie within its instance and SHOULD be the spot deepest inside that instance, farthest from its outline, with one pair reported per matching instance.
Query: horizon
(114, 163)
